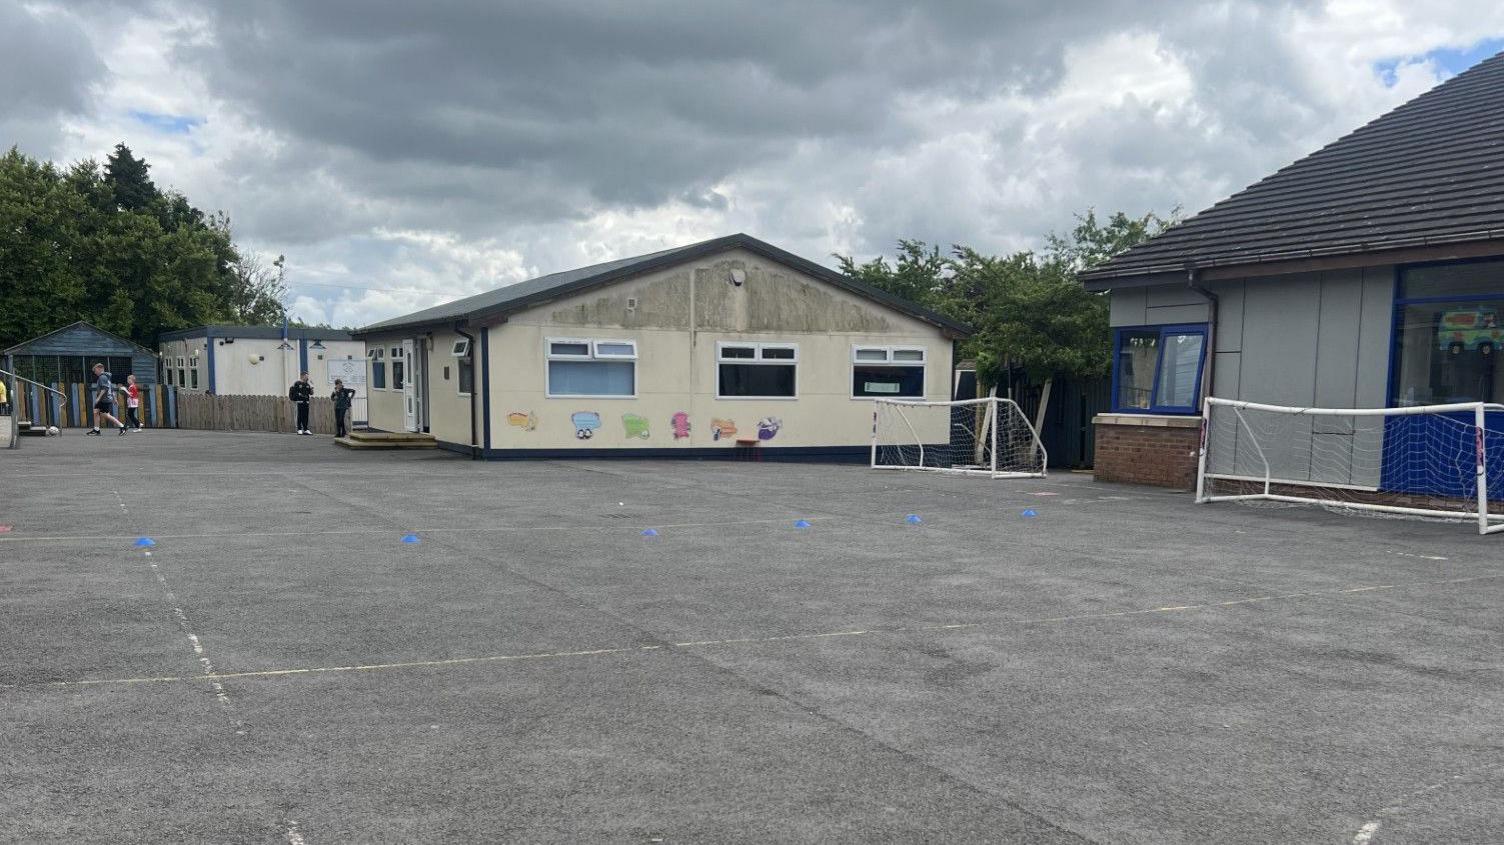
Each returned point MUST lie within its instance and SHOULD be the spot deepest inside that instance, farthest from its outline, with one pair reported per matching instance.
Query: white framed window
(399, 367)
(466, 380)
(756, 370)
(588, 367)
(461, 348)
(887, 372)
(378, 369)
(182, 362)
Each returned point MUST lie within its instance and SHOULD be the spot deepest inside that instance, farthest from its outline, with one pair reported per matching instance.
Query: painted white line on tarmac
(293, 835)
(215, 677)
(94, 538)
(1366, 832)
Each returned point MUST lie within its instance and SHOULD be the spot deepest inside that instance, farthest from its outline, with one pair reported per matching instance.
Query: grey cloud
(48, 66)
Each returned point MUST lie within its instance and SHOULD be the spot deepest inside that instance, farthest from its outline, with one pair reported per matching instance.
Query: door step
(387, 440)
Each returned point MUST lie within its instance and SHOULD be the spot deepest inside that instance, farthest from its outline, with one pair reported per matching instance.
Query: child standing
(132, 402)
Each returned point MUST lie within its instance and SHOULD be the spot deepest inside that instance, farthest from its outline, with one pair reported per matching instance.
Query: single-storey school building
(1369, 274)
(693, 351)
(260, 360)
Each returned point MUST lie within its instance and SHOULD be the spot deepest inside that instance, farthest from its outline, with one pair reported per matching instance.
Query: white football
(52, 431)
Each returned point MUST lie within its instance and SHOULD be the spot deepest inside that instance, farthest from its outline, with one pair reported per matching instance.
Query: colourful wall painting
(679, 422)
(768, 427)
(636, 426)
(525, 420)
(722, 428)
(585, 423)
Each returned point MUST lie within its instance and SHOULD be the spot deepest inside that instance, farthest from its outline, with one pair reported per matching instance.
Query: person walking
(132, 402)
(341, 396)
(104, 401)
(301, 393)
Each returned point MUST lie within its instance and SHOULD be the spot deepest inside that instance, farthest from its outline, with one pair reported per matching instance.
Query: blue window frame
(1157, 369)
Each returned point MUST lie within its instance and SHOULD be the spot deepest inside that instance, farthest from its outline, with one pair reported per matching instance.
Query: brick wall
(1147, 450)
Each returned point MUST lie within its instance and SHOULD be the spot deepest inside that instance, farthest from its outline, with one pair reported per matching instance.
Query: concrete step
(422, 441)
(390, 437)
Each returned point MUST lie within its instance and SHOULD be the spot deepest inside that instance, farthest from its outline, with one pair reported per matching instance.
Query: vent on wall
(631, 303)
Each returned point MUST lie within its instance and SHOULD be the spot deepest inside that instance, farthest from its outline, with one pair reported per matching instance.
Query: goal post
(989, 436)
(1438, 461)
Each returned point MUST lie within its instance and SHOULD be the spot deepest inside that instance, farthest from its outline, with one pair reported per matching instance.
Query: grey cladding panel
(1126, 307)
(1374, 341)
(1282, 313)
(1229, 315)
(1337, 341)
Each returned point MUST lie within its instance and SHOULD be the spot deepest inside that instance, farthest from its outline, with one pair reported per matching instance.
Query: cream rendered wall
(677, 367)
(448, 409)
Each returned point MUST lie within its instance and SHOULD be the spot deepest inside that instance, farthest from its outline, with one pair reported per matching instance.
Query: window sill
(1150, 420)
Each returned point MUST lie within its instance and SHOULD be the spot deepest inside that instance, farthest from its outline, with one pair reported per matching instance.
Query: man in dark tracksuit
(341, 397)
(301, 393)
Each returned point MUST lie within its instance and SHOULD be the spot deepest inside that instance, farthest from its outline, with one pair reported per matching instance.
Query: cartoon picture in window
(1470, 328)
(767, 428)
(635, 425)
(679, 422)
(585, 424)
(525, 420)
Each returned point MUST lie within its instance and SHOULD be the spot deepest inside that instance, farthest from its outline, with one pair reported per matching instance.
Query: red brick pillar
(1147, 449)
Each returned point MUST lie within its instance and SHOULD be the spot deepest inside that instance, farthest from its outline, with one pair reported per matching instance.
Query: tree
(1028, 311)
(259, 289)
(126, 176)
(104, 245)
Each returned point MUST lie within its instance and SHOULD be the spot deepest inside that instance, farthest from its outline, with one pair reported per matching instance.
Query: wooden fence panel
(250, 413)
(76, 408)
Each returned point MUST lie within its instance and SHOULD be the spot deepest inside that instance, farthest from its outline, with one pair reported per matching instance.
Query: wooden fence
(252, 413)
(158, 405)
(169, 407)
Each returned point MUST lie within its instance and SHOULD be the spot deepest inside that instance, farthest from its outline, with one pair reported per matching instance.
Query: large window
(378, 369)
(583, 367)
(1157, 369)
(887, 371)
(756, 370)
(1449, 333)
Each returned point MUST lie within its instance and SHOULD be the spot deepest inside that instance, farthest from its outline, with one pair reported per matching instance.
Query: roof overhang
(1306, 261)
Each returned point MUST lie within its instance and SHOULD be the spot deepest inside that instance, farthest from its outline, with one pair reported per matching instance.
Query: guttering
(1208, 367)
(475, 447)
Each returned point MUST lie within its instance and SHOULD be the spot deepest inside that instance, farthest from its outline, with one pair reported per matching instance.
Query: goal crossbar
(988, 436)
(1467, 420)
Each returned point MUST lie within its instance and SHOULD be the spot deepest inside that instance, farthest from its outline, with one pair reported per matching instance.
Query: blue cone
(410, 538)
(803, 523)
(913, 519)
(1030, 513)
(146, 541)
(650, 532)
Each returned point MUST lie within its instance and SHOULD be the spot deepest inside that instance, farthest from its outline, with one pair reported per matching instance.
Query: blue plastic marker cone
(146, 541)
(650, 532)
(410, 538)
(803, 523)
(1030, 513)
(913, 519)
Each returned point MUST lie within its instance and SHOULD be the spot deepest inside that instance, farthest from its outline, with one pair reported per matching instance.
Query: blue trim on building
(209, 353)
(485, 382)
(1173, 328)
(302, 356)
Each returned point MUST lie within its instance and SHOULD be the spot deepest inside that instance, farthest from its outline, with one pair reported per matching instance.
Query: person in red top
(132, 402)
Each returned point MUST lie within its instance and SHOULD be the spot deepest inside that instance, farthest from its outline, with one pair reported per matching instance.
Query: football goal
(1439, 461)
(988, 436)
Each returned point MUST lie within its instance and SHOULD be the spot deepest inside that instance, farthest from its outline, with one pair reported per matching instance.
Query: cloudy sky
(402, 154)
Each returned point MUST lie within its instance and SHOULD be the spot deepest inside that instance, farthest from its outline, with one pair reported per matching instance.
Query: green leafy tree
(1028, 311)
(103, 244)
(127, 178)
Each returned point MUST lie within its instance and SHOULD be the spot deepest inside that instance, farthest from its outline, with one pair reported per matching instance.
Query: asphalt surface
(1123, 667)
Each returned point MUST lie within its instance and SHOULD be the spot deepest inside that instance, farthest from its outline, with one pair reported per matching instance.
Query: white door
(410, 394)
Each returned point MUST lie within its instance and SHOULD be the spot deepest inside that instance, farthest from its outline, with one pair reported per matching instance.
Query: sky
(403, 154)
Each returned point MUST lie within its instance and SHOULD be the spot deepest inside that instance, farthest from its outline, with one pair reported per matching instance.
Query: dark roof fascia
(86, 324)
(1301, 261)
(680, 256)
(255, 333)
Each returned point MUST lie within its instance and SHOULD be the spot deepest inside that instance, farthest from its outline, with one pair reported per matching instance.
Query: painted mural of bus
(1470, 328)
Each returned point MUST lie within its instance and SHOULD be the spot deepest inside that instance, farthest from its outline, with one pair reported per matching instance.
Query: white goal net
(988, 436)
(1439, 461)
